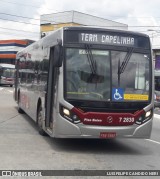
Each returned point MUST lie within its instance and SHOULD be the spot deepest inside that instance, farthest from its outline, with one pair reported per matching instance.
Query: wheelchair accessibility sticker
(117, 94)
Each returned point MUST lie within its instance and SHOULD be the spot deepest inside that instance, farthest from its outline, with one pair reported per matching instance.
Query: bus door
(51, 90)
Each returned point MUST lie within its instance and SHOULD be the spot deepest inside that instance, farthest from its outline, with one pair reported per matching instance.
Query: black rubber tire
(19, 109)
(39, 121)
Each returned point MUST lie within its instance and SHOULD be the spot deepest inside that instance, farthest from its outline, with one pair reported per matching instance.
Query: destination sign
(107, 39)
(126, 39)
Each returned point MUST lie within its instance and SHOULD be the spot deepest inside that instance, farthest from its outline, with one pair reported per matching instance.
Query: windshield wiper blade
(122, 67)
(92, 63)
(125, 61)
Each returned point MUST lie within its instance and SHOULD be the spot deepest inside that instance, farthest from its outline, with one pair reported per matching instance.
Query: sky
(21, 19)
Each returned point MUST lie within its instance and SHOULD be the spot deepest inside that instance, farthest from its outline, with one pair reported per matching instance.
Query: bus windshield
(8, 73)
(94, 75)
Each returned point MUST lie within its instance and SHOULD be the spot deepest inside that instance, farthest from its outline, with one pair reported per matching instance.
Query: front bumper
(66, 129)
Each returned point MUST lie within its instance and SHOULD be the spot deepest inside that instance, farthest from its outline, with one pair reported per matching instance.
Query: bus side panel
(33, 71)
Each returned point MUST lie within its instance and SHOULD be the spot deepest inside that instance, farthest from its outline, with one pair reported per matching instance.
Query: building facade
(51, 22)
(9, 49)
(156, 58)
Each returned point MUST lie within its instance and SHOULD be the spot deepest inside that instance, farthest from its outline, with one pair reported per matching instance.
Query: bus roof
(102, 29)
(51, 39)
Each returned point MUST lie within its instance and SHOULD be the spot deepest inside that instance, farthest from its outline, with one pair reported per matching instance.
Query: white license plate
(107, 135)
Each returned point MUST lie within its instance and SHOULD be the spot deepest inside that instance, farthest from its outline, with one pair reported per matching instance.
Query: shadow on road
(99, 146)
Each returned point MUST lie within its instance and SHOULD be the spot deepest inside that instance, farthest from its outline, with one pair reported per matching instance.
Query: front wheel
(19, 108)
(40, 121)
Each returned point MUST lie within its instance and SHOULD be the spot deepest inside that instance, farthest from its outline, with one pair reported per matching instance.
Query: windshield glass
(8, 73)
(93, 75)
(133, 82)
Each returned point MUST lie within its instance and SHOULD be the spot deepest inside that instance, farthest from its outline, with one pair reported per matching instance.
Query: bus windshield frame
(80, 72)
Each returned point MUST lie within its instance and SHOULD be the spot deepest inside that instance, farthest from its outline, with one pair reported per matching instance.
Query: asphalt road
(22, 148)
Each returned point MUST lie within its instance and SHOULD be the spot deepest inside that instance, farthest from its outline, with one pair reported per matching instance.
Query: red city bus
(83, 82)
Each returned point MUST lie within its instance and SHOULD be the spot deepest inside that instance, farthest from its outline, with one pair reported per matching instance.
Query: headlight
(66, 112)
(69, 115)
(144, 118)
(148, 113)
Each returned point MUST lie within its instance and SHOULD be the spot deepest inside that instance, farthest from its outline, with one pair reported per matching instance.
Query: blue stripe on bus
(12, 44)
(8, 52)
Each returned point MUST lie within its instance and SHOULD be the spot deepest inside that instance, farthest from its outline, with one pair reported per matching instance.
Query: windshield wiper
(122, 67)
(92, 62)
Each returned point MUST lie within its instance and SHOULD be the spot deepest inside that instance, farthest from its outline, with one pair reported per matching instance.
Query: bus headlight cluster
(144, 118)
(148, 113)
(69, 115)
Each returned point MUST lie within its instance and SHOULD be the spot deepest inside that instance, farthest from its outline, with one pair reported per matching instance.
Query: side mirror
(57, 55)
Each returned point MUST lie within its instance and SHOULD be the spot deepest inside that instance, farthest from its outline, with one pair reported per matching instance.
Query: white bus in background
(7, 74)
